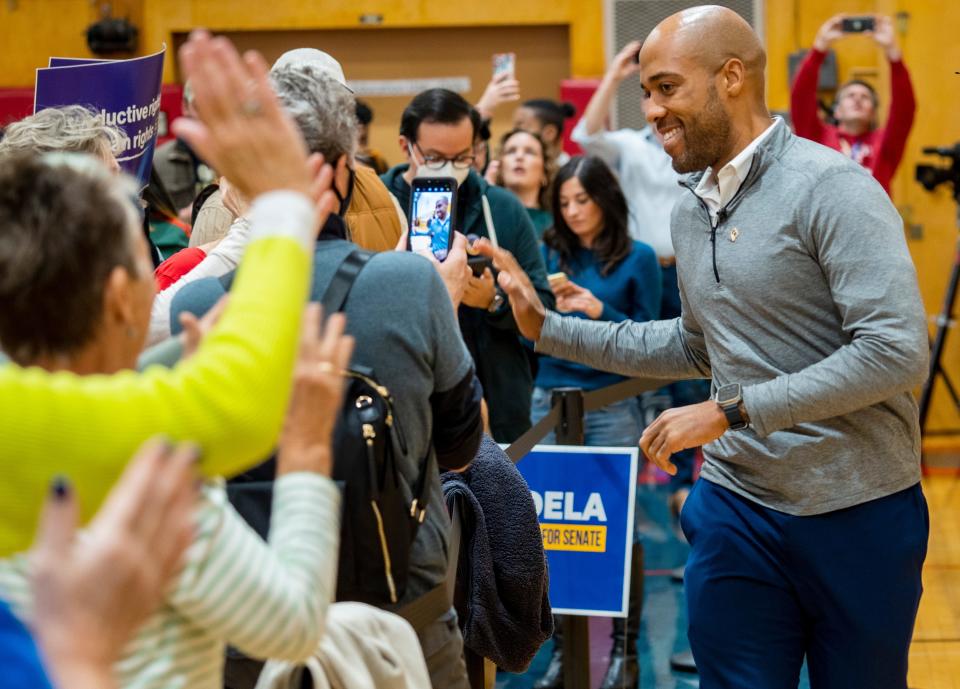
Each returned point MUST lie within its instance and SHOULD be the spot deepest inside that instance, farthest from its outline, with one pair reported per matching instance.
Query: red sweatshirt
(879, 150)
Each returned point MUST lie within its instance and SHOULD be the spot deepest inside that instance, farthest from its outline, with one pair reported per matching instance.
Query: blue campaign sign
(125, 93)
(585, 501)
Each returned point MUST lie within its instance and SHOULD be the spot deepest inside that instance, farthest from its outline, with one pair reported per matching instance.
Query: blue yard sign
(125, 93)
(585, 500)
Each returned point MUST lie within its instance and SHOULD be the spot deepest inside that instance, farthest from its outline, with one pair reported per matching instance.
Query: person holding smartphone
(856, 134)
(599, 273)
(437, 134)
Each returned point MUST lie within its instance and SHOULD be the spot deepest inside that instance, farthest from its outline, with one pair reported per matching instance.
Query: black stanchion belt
(591, 402)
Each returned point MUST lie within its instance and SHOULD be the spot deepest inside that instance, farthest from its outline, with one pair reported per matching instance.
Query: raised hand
(830, 31)
(503, 88)
(325, 351)
(92, 594)
(625, 62)
(885, 36)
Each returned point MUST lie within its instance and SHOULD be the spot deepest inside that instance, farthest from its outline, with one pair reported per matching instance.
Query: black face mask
(345, 200)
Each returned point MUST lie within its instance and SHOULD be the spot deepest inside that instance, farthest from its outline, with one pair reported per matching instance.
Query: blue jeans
(616, 425)
(766, 589)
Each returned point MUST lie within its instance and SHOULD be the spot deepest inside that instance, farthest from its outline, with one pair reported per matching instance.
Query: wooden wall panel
(542, 61)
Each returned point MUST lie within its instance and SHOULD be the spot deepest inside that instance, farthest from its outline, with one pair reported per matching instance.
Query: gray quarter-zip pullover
(803, 291)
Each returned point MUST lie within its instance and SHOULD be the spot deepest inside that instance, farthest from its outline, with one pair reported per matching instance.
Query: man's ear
(405, 145)
(734, 76)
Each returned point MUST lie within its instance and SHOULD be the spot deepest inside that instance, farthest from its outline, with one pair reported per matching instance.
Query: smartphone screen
(433, 204)
(857, 24)
(505, 62)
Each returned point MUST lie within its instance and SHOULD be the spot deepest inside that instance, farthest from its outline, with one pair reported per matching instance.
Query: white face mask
(448, 169)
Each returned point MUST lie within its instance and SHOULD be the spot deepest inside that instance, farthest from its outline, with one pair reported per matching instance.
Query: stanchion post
(576, 629)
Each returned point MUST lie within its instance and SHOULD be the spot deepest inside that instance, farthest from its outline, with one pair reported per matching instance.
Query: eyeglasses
(435, 162)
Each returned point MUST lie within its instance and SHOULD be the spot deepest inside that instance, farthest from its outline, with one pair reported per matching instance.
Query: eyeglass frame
(437, 162)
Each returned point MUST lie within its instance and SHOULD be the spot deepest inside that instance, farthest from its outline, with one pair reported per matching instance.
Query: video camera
(932, 176)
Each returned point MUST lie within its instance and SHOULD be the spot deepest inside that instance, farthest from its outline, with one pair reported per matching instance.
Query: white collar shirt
(716, 189)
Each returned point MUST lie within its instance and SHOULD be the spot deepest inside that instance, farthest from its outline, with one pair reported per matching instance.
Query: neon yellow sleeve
(230, 398)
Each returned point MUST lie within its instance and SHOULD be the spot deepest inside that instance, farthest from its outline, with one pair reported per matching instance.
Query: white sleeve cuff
(284, 214)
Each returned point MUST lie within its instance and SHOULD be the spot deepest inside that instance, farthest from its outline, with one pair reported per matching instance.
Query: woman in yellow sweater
(231, 396)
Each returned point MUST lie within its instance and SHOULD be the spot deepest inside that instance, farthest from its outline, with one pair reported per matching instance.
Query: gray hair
(323, 109)
(70, 128)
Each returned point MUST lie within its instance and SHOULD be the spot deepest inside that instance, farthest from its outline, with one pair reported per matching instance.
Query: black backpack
(381, 513)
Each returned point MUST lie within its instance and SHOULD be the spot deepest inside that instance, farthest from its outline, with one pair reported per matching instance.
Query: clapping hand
(92, 594)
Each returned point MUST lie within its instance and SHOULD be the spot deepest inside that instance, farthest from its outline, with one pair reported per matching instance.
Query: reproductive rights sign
(585, 501)
(123, 93)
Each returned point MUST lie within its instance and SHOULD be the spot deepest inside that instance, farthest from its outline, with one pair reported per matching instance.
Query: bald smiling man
(800, 302)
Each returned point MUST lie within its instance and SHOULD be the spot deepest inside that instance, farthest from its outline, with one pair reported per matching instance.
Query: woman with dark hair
(546, 118)
(596, 271)
(524, 168)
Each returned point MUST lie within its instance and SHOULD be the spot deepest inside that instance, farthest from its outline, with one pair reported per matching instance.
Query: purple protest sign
(125, 93)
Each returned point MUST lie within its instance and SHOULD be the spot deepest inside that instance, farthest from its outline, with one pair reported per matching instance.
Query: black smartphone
(857, 24)
(478, 264)
(433, 215)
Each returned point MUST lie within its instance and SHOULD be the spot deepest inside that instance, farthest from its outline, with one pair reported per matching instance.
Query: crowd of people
(163, 361)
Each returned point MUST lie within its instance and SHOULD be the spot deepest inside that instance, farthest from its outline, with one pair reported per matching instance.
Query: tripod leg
(943, 324)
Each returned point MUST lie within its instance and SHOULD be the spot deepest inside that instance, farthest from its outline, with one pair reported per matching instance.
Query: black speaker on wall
(112, 36)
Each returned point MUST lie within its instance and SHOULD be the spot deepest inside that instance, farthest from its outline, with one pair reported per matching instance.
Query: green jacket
(492, 338)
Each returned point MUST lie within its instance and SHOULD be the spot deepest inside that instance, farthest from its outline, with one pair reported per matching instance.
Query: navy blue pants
(766, 589)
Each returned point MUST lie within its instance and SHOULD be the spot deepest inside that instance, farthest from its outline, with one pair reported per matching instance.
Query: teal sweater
(492, 338)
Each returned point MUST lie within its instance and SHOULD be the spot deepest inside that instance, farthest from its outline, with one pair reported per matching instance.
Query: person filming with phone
(856, 134)
(437, 134)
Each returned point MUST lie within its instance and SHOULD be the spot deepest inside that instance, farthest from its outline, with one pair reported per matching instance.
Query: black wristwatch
(730, 399)
(498, 299)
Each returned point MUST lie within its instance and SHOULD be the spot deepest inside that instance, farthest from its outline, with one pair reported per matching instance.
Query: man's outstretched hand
(528, 310)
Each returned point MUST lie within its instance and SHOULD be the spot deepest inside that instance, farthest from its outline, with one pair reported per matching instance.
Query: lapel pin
(734, 233)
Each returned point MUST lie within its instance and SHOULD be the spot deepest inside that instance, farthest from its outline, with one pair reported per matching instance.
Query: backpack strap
(335, 296)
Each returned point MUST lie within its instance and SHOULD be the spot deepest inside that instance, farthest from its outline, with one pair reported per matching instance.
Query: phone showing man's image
(857, 24)
(505, 63)
(433, 204)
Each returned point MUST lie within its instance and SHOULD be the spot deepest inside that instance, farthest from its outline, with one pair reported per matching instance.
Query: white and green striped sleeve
(267, 599)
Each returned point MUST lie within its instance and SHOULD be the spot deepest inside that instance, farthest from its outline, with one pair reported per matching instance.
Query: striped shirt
(267, 599)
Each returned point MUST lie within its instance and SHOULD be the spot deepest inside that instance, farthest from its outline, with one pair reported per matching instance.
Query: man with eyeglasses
(438, 133)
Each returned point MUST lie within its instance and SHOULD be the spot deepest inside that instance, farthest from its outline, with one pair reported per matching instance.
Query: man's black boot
(553, 677)
(624, 668)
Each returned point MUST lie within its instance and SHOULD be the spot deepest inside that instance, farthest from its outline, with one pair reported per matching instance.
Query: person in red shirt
(856, 134)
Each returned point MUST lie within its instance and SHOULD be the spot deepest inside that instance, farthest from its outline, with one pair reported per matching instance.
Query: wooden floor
(935, 654)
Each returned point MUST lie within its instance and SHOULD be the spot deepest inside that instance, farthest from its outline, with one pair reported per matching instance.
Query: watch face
(728, 394)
